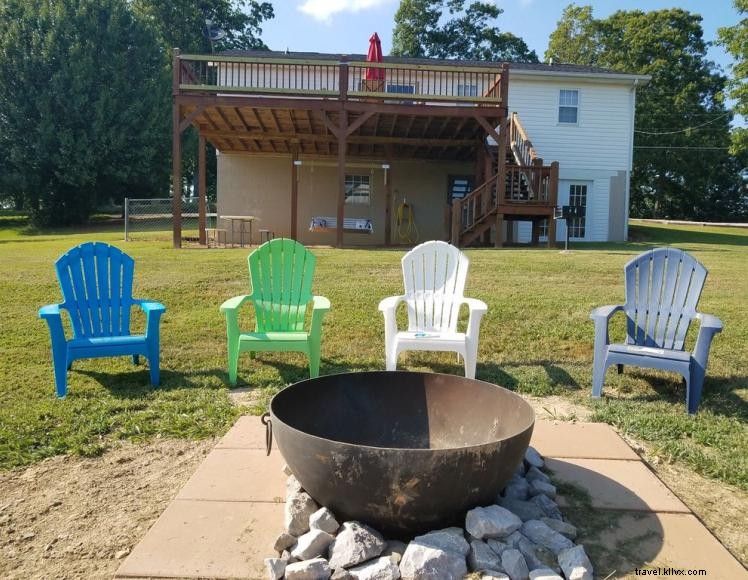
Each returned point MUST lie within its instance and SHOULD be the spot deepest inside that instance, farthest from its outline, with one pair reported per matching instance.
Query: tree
(83, 105)
(735, 41)
(682, 168)
(468, 32)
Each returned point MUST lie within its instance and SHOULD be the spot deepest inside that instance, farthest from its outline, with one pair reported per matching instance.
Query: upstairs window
(568, 106)
(357, 189)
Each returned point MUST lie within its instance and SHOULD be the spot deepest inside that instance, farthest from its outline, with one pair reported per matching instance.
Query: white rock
(275, 568)
(544, 574)
(380, 569)
(534, 473)
(316, 569)
(422, 562)
(514, 565)
(299, 506)
(575, 563)
(526, 510)
(539, 533)
(493, 575)
(491, 522)
(538, 486)
(293, 486)
(448, 539)
(537, 556)
(518, 488)
(284, 541)
(341, 574)
(513, 539)
(355, 543)
(563, 528)
(312, 544)
(395, 550)
(533, 458)
(481, 557)
(497, 547)
(323, 519)
(549, 506)
(286, 469)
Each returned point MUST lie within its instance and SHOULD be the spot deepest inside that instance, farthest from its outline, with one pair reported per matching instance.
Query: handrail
(396, 82)
(520, 144)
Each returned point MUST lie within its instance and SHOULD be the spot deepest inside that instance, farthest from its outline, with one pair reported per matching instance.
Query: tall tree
(83, 105)
(468, 32)
(735, 40)
(682, 168)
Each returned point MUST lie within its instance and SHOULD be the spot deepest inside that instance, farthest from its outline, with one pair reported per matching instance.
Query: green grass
(536, 339)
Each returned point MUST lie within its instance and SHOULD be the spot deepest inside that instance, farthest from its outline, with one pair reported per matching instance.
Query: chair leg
(136, 359)
(598, 373)
(620, 369)
(694, 386)
(470, 364)
(233, 365)
(390, 358)
(60, 365)
(314, 356)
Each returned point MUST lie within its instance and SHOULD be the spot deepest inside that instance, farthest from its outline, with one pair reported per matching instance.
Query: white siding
(600, 140)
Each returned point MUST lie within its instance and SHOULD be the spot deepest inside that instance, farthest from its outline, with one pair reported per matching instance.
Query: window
(467, 90)
(459, 187)
(577, 197)
(401, 89)
(357, 189)
(568, 106)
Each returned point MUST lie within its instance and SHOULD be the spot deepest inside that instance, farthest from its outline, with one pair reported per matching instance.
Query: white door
(573, 192)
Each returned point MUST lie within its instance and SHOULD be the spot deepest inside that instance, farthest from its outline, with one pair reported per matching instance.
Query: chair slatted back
(281, 272)
(96, 283)
(434, 275)
(663, 287)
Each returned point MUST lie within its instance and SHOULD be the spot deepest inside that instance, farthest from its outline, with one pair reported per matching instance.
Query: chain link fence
(152, 219)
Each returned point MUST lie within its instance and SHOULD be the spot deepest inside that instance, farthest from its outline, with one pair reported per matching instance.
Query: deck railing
(404, 83)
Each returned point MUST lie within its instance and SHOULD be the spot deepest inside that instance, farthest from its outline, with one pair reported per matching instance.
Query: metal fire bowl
(403, 452)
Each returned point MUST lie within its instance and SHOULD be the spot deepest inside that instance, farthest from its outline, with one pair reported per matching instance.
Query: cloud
(323, 9)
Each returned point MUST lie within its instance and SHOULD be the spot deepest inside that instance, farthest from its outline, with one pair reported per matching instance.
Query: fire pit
(403, 452)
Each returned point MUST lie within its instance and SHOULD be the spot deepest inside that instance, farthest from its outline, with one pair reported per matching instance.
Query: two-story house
(332, 149)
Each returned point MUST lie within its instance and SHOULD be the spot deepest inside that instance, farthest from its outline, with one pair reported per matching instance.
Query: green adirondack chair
(280, 272)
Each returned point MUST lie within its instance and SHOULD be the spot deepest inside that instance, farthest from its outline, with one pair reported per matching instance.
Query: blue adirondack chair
(96, 283)
(662, 290)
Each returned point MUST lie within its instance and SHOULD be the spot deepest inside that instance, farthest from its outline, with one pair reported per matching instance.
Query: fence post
(127, 218)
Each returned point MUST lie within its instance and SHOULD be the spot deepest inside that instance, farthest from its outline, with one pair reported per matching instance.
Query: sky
(344, 26)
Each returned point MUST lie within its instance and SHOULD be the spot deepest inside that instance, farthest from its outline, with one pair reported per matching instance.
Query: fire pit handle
(268, 432)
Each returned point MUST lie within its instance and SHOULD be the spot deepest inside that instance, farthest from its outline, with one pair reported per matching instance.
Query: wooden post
(553, 201)
(456, 222)
(499, 239)
(388, 198)
(501, 165)
(294, 192)
(342, 145)
(202, 193)
(537, 177)
(535, 232)
(176, 156)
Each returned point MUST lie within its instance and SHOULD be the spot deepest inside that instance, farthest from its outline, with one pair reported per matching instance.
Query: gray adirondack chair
(662, 290)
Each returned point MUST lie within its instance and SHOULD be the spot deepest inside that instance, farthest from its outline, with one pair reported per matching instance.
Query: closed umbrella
(374, 76)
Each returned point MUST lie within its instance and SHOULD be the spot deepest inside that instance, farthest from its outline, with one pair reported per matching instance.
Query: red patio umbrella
(374, 55)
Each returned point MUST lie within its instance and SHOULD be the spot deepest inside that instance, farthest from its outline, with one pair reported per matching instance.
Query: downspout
(631, 161)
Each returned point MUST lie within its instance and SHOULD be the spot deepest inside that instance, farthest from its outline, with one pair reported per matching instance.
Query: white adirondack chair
(434, 275)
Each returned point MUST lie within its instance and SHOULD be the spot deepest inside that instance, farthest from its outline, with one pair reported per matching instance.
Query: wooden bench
(350, 225)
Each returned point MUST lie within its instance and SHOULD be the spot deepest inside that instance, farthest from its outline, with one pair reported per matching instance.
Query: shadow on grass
(136, 383)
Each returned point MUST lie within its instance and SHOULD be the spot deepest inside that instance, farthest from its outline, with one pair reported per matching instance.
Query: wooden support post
(499, 240)
(553, 200)
(388, 198)
(342, 145)
(501, 164)
(535, 232)
(295, 192)
(176, 157)
(202, 193)
(456, 222)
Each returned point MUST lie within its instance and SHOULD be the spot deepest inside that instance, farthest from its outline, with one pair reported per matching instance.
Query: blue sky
(344, 26)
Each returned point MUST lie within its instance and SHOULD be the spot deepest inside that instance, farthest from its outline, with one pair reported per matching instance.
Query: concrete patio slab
(659, 540)
(245, 475)
(616, 484)
(225, 519)
(207, 539)
(580, 440)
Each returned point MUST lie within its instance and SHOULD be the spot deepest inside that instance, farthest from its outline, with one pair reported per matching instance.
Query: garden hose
(407, 232)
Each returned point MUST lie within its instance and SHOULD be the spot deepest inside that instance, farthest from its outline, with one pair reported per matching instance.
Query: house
(332, 149)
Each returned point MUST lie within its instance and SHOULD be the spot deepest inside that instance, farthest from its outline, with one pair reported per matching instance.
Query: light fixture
(297, 162)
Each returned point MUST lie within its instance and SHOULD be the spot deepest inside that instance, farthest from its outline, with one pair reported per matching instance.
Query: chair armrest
(320, 303)
(707, 321)
(605, 312)
(475, 306)
(233, 303)
(149, 306)
(390, 303)
(50, 310)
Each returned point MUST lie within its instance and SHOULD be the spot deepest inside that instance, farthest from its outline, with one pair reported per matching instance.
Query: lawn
(536, 339)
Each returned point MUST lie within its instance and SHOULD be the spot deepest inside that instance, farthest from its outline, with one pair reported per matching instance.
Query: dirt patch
(69, 517)
(553, 408)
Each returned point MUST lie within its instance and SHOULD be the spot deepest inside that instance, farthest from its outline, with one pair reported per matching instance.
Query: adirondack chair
(434, 276)
(280, 272)
(662, 290)
(96, 283)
